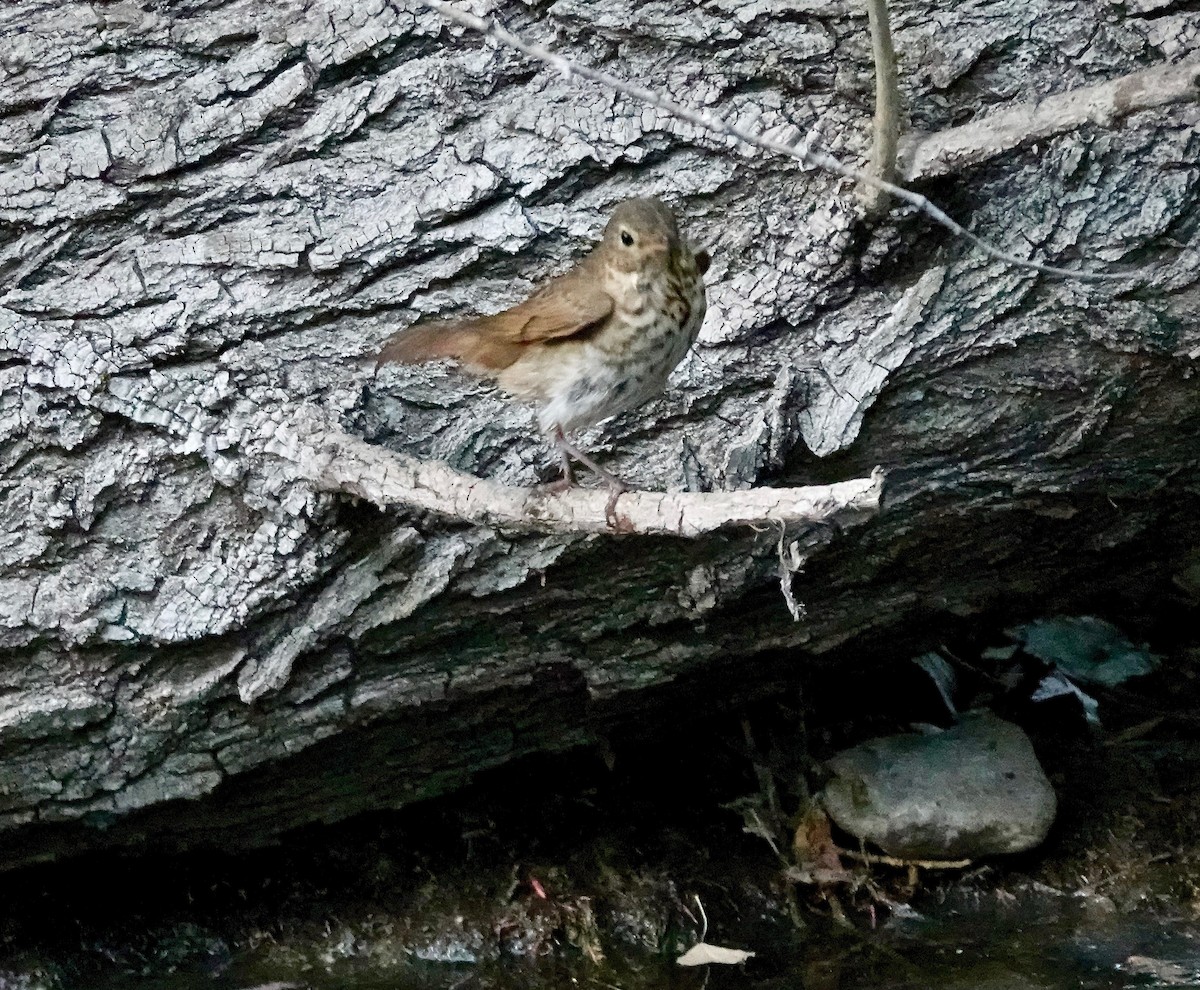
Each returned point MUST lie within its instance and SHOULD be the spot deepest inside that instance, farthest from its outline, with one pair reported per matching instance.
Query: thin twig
(335, 461)
(719, 125)
(887, 107)
(766, 780)
(925, 864)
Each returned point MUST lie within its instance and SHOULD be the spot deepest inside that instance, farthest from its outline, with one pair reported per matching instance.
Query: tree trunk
(213, 209)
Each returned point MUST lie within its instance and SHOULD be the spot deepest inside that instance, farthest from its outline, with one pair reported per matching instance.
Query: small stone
(971, 791)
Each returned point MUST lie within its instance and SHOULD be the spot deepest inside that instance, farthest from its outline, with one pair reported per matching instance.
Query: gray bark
(210, 211)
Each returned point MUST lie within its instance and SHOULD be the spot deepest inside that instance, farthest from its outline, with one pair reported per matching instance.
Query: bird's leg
(568, 450)
(568, 470)
(615, 485)
(567, 480)
(568, 475)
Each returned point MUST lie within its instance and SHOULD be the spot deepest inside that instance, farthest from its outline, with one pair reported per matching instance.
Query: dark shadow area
(588, 864)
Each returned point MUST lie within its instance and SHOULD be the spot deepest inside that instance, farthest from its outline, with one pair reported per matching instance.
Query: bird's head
(641, 234)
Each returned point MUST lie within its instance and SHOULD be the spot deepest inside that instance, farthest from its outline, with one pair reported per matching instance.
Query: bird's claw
(610, 507)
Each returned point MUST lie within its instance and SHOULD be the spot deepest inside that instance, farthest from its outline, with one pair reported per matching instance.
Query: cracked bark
(210, 212)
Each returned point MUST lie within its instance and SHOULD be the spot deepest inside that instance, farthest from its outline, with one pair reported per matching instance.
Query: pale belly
(601, 387)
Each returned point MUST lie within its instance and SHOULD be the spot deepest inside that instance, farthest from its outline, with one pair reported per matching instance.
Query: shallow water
(1035, 940)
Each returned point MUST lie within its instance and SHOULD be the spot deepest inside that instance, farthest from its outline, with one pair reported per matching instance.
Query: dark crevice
(1167, 10)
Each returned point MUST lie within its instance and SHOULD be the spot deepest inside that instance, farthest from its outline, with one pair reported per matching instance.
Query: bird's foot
(564, 483)
(616, 488)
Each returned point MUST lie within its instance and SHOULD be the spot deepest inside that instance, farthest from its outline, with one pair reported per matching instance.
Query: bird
(595, 341)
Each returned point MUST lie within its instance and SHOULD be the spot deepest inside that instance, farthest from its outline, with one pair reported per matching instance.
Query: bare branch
(338, 462)
(719, 125)
(924, 156)
(925, 864)
(887, 107)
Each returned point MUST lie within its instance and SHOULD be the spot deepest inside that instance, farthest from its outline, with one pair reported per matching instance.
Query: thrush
(592, 342)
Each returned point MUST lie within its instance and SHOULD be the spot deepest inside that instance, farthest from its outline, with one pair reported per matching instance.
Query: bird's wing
(572, 304)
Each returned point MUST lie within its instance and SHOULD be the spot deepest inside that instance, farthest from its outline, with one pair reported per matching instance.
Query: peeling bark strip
(342, 463)
(924, 156)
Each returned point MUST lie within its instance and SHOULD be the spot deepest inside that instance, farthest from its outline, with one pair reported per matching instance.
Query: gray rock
(971, 791)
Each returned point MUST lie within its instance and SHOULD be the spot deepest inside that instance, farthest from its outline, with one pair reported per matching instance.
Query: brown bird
(592, 342)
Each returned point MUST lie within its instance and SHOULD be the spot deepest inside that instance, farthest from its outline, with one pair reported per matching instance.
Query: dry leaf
(277, 986)
(1166, 974)
(813, 848)
(701, 954)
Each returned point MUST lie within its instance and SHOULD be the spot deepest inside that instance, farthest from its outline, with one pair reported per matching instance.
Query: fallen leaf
(943, 677)
(277, 986)
(814, 851)
(1165, 973)
(701, 954)
(817, 875)
(1086, 649)
(1055, 685)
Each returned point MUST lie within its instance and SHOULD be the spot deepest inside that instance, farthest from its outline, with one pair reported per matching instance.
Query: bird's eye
(627, 238)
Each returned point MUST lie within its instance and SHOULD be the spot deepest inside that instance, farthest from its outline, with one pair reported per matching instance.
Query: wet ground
(597, 869)
(1027, 939)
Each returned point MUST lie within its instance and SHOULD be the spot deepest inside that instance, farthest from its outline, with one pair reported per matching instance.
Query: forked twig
(719, 125)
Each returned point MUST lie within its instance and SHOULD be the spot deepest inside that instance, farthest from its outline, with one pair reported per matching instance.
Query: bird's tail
(465, 341)
(423, 342)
